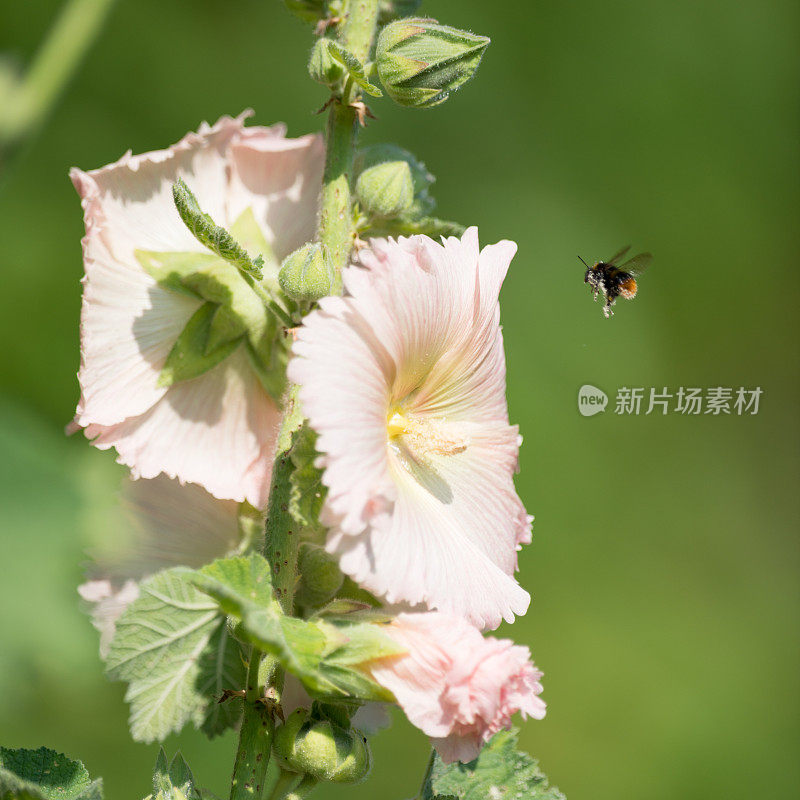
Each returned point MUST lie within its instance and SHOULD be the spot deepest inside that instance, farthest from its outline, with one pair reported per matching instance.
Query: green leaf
(354, 67)
(173, 782)
(325, 657)
(500, 772)
(173, 649)
(45, 775)
(189, 357)
(213, 236)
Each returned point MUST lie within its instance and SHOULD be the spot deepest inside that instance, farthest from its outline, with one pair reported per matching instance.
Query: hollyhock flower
(403, 379)
(458, 687)
(165, 524)
(217, 430)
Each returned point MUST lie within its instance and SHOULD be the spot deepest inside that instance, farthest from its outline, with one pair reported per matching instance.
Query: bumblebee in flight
(616, 280)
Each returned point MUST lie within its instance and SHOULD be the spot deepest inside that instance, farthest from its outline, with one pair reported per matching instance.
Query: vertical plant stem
(355, 32)
(252, 754)
(282, 539)
(67, 41)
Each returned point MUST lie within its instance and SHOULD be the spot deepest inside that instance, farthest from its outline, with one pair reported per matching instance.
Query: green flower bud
(307, 10)
(420, 62)
(322, 66)
(320, 576)
(386, 190)
(321, 749)
(394, 9)
(381, 153)
(307, 273)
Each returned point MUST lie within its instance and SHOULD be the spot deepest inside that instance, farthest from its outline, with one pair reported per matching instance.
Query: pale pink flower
(219, 429)
(162, 524)
(404, 381)
(457, 686)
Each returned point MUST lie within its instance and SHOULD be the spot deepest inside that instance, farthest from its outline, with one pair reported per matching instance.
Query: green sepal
(500, 771)
(325, 657)
(323, 67)
(403, 226)
(170, 269)
(189, 357)
(173, 648)
(213, 236)
(354, 67)
(174, 781)
(249, 234)
(44, 774)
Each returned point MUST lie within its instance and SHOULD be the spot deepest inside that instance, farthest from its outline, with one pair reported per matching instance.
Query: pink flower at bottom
(457, 686)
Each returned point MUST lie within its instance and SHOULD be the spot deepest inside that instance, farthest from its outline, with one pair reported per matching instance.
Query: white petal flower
(404, 381)
(218, 429)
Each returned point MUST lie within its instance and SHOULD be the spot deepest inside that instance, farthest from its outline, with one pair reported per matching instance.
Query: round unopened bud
(307, 273)
(421, 62)
(380, 153)
(320, 576)
(386, 190)
(321, 749)
(322, 66)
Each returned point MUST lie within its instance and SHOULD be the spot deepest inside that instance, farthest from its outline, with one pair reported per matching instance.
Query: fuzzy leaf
(353, 66)
(173, 649)
(500, 772)
(44, 774)
(323, 656)
(213, 236)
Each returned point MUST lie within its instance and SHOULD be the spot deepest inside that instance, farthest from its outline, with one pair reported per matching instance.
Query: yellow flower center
(423, 437)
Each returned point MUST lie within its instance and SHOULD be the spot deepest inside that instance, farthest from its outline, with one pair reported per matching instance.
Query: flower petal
(218, 430)
(280, 180)
(418, 331)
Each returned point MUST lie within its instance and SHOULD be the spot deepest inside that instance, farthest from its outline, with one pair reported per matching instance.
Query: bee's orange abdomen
(628, 288)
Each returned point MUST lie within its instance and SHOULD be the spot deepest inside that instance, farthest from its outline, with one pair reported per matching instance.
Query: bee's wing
(638, 264)
(618, 255)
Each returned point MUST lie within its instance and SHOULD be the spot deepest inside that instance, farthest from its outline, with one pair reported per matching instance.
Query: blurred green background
(664, 562)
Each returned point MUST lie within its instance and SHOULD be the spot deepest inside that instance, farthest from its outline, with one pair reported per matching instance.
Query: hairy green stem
(252, 754)
(282, 539)
(286, 780)
(27, 103)
(336, 230)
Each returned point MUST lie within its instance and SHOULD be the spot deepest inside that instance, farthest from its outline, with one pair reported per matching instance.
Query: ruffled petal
(427, 514)
(280, 180)
(455, 685)
(128, 322)
(218, 430)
